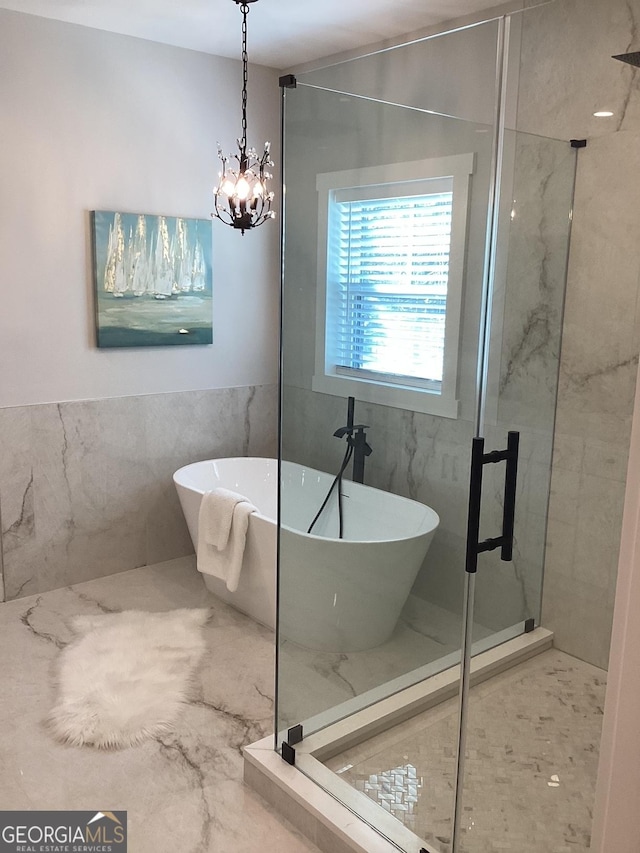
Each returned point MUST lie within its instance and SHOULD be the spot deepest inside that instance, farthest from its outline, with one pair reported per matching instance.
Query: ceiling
(281, 33)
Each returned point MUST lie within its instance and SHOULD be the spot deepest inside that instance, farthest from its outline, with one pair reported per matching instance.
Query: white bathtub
(257, 480)
(337, 595)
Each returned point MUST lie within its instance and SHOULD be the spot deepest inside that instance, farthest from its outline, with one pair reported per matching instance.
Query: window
(392, 242)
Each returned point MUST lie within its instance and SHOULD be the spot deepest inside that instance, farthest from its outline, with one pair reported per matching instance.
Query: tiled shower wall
(562, 85)
(86, 487)
(596, 396)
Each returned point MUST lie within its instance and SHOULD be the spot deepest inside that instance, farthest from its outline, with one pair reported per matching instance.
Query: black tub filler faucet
(357, 441)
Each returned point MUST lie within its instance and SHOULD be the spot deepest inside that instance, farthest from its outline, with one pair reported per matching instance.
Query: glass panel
(451, 74)
(414, 456)
(366, 617)
(518, 723)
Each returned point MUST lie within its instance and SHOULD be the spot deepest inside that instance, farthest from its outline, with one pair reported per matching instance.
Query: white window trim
(326, 378)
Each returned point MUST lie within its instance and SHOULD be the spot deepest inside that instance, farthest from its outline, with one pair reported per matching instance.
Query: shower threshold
(326, 808)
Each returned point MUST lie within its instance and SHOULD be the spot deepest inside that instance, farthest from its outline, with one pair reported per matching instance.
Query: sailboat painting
(152, 279)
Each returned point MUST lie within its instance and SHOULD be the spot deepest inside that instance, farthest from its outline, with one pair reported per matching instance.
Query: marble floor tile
(532, 758)
(311, 682)
(185, 791)
(182, 791)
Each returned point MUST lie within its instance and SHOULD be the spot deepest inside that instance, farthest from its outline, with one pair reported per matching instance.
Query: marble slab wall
(86, 487)
(597, 385)
(567, 73)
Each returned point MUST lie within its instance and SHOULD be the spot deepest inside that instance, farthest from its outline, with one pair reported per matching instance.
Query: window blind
(389, 269)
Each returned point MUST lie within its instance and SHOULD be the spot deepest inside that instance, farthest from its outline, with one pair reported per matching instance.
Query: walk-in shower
(425, 244)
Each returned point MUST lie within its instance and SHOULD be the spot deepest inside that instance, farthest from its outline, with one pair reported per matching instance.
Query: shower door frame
(491, 249)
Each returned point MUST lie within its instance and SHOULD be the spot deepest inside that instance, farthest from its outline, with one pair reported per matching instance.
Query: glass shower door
(349, 649)
(415, 455)
(512, 745)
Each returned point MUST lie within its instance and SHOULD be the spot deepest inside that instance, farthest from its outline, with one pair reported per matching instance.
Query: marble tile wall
(86, 487)
(566, 74)
(597, 384)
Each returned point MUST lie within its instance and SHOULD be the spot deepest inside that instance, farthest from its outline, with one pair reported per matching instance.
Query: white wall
(94, 120)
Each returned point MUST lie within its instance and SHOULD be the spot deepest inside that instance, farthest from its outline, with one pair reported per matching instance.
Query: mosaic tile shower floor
(532, 760)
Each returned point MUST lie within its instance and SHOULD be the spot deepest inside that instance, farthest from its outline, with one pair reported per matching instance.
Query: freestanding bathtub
(338, 595)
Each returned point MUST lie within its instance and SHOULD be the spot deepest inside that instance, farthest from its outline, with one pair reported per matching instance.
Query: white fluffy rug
(126, 676)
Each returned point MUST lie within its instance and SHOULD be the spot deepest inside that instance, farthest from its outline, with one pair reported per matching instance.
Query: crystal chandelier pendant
(242, 198)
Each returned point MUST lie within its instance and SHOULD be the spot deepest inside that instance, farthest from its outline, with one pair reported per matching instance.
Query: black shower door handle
(478, 460)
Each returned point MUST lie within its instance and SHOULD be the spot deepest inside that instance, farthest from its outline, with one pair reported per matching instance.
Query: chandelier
(242, 198)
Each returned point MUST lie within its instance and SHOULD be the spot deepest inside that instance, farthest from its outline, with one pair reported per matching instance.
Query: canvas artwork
(152, 279)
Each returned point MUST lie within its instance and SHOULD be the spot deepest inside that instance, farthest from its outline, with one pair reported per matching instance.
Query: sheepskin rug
(126, 676)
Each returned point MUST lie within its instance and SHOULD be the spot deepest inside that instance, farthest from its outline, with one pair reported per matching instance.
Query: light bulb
(227, 187)
(242, 188)
(257, 189)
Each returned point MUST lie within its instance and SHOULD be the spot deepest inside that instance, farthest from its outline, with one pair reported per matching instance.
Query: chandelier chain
(245, 75)
(242, 198)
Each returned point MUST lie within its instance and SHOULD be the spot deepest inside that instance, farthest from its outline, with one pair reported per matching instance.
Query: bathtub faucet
(357, 441)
